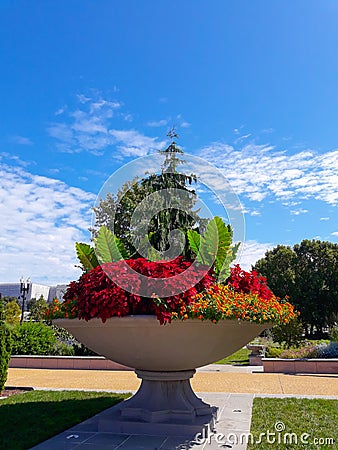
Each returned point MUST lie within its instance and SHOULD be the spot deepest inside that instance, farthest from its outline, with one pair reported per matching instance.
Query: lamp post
(24, 289)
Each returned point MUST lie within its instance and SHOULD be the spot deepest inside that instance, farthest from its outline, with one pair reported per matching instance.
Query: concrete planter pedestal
(165, 358)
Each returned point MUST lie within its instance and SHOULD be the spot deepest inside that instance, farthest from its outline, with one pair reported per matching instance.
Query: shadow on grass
(30, 418)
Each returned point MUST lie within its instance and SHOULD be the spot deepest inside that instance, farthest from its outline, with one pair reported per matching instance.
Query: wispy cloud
(260, 172)
(133, 143)
(158, 123)
(5, 156)
(41, 218)
(21, 140)
(297, 212)
(92, 128)
(335, 233)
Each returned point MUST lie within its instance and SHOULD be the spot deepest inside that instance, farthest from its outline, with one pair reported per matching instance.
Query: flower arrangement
(244, 295)
(198, 283)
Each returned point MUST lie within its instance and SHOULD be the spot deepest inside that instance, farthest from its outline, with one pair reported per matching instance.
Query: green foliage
(7, 298)
(175, 212)
(308, 274)
(37, 309)
(290, 334)
(307, 351)
(86, 256)
(12, 313)
(68, 345)
(194, 239)
(213, 248)
(108, 247)
(33, 338)
(333, 335)
(274, 352)
(5, 347)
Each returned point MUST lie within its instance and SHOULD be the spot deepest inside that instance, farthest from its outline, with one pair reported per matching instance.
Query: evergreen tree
(175, 201)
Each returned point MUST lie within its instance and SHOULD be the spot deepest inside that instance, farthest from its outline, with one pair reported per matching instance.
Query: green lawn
(314, 419)
(30, 418)
(35, 416)
(240, 358)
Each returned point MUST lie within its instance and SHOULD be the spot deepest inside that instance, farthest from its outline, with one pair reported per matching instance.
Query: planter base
(164, 404)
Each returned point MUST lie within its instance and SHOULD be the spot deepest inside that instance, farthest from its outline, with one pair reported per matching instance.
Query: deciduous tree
(308, 274)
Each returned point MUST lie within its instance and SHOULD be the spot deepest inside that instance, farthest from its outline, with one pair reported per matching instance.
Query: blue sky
(89, 86)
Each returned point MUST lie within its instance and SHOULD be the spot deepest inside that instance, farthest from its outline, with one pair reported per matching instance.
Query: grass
(30, 418)
(239, 358)
(316, 417)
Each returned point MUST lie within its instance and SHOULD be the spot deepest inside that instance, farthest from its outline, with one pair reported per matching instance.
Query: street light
(24, 289)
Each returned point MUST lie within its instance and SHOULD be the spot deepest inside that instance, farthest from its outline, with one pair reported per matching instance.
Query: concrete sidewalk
(225, 380)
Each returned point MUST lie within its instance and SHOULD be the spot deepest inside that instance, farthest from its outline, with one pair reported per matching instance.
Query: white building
(35, 291)
(57, 291)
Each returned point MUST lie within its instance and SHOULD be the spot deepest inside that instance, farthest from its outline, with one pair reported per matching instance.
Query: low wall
(65, 362)
(279, 365)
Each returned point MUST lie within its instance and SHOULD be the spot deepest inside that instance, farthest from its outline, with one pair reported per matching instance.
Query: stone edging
(279, 365)
(64, 362)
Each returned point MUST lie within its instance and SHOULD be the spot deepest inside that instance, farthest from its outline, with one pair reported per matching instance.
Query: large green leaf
(215, 243)
(194, 239)
(108, 248)
(86, 256)
(225, 270)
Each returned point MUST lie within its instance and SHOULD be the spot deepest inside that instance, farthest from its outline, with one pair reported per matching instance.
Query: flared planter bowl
(142, 343)
(165, 358)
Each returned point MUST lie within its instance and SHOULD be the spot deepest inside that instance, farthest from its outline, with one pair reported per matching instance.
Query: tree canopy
(308, 274)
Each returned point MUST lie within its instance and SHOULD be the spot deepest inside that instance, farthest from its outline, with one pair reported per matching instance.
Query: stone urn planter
(255, 357)
(165, 358)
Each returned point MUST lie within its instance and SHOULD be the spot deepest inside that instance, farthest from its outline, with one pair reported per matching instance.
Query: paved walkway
(213, 383)
(224, 380)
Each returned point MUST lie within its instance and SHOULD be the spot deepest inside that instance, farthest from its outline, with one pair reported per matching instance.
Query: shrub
(12, 313)
(310, 351)
(290, 334)
(37, 309)
(273, 352)
(333, 335)
(33, 338)
(67, 345)
(5, 347)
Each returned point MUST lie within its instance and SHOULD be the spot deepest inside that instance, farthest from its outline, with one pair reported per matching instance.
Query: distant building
(57, 291)
(35, 291)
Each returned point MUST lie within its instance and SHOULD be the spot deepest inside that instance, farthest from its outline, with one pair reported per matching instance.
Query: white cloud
(133, 143)
(10, 157)
(89, 128)
(250, 252)
(335, 233)
(297, 212)
(21, 140)
(259, 172)
(41, 218)
(324, 218)
(158, 123)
